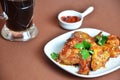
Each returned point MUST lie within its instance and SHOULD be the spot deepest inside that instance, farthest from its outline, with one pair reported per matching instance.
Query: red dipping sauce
(70, 19)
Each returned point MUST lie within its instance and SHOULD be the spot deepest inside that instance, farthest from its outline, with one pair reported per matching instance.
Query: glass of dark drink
(19, 24)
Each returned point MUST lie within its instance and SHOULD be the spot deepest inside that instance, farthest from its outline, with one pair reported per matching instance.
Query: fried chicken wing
(69, 55)
(113, 46)
(101, 53)
(99, 57)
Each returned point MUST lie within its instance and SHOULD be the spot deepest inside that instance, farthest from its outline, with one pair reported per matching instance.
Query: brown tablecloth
(27, 61)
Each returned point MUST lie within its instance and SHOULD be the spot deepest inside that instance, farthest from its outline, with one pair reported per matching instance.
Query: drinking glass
(19, 24)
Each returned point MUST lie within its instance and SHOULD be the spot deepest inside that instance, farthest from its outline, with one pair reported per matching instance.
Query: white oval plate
(56, 45)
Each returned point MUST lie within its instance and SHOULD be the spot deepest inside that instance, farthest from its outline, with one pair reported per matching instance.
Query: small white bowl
(73, 25)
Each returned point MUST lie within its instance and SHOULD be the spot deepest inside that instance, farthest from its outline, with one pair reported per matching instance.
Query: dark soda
(19, 13)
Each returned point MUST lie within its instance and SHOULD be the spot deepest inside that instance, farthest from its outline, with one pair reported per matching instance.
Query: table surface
(27, 60)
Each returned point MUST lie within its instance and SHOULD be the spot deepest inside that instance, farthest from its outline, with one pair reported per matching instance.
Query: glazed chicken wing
(112, 46)
(101, 53)
(99, 57)
(70, 55)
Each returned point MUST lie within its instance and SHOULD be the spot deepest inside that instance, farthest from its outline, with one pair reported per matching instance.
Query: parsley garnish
(84, 47)
(85, 54)
(101, 40)
(54, 55)
(79, 46)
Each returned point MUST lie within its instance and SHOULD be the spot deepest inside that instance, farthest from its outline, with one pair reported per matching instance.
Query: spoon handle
(87, 11)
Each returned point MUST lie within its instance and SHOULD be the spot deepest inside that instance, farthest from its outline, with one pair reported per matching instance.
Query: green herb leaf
(54, 55)
(85, 54)
(83, 45)
(79, 46)
(86, 44)
(101, 40)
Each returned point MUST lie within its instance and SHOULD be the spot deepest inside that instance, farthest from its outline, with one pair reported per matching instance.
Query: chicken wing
(101, 53)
